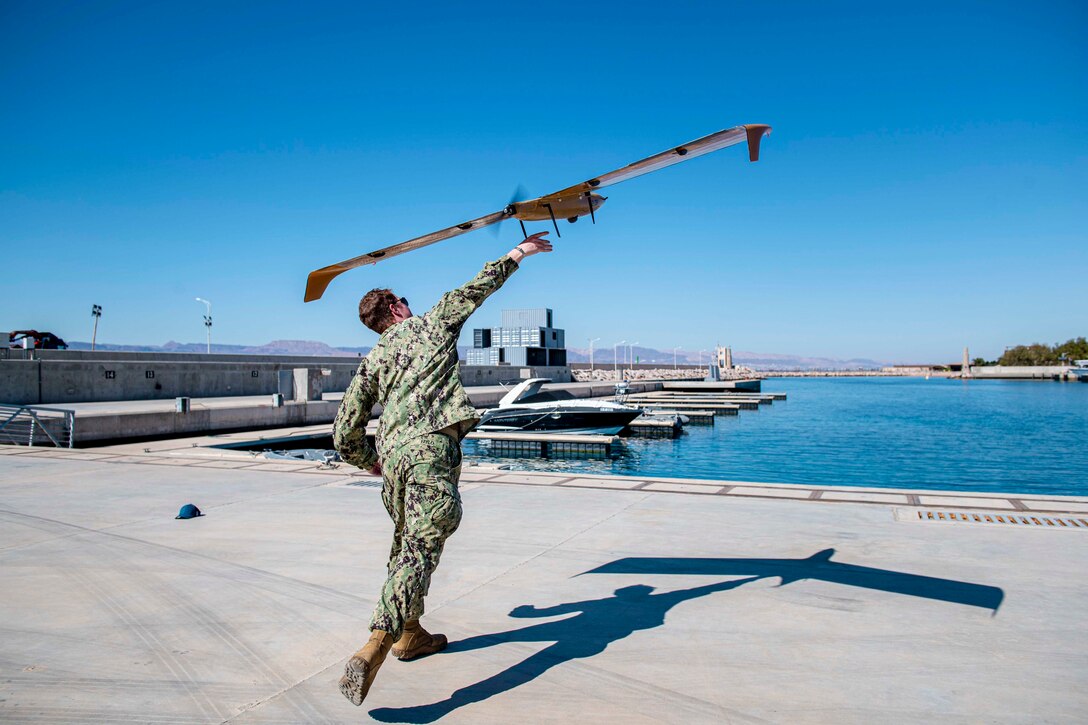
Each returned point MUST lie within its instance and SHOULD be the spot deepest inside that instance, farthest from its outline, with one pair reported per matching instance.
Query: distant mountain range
(276, 347)
(757, 360)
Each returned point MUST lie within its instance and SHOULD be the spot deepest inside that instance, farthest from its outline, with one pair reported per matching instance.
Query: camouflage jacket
(412, 373)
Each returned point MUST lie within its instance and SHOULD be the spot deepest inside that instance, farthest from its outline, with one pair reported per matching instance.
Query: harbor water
(971, 435)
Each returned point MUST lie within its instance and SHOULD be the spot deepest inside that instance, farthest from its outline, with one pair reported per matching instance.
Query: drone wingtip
(318, 281)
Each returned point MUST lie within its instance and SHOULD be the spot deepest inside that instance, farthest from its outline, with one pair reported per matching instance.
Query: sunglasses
(403, 301)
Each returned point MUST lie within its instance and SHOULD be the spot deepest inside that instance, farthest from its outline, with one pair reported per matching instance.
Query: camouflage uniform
(412, 373)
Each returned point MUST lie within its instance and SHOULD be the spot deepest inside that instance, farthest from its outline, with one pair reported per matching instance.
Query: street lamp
(591, 341)
(674, 356)
(96, 312)
(615, 359)
(701, 357)
(208, 322)
(631, 356)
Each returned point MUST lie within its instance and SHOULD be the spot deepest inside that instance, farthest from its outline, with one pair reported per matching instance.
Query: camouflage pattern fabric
(412, 372)
(421, 496)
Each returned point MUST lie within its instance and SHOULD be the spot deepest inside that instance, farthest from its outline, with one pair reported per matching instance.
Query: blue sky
(923, 189)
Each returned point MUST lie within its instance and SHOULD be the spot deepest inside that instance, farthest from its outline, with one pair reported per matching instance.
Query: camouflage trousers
(421, 496)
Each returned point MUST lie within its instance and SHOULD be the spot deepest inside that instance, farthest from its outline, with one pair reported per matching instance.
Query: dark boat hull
(605, 422)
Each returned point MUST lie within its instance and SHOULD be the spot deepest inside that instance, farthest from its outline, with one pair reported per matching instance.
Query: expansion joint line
(279, 693)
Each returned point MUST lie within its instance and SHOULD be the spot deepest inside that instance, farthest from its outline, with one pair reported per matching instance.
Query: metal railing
(27, 425)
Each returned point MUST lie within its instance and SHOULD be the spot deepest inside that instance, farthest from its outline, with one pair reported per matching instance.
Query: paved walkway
(587, 599)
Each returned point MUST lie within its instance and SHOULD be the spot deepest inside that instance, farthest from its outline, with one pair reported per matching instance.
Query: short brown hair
(374, 309)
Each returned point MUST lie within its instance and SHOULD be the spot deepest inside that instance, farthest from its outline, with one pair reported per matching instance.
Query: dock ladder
(27, 425)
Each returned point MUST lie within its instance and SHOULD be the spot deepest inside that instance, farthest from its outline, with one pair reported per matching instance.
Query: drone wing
(319, 279)
(753, 133)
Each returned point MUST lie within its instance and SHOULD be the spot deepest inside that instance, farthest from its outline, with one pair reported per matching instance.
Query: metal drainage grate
(365, 484)
(1017, 520)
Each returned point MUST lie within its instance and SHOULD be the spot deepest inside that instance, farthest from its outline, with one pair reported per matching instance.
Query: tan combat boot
(363, 666)
(417, 642)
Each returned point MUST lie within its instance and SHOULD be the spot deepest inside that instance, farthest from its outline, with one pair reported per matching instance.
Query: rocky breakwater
(667, 373)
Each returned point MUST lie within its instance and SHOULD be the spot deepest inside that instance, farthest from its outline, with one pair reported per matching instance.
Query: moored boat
(529, 408)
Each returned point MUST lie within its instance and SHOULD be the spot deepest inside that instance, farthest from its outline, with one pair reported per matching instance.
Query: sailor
(412, 373)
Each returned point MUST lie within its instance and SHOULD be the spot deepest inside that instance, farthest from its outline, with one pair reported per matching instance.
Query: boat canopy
(524, 389)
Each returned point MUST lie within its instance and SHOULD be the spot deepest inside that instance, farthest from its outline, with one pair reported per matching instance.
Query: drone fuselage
(562, 207)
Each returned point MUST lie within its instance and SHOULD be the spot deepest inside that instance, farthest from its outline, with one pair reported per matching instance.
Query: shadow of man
(598, 623)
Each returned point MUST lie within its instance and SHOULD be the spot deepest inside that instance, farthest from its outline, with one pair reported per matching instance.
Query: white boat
(528, 408)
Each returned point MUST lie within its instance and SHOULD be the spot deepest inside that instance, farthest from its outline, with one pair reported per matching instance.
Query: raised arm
(455, 307)
(349, 430)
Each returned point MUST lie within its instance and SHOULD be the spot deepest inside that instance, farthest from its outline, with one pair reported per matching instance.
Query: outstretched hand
(533, 244)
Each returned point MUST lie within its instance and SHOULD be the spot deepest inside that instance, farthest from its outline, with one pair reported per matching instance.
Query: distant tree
(1035, 354)
(1075, 349)
(1039, 354)
(980, 362)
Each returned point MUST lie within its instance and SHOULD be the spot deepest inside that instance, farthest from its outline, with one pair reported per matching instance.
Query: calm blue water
(1023, 437)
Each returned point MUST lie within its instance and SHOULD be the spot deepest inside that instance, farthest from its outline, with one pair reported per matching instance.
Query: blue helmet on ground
(188, 511)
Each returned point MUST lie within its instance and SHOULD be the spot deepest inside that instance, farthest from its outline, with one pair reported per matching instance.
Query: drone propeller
(520, 194)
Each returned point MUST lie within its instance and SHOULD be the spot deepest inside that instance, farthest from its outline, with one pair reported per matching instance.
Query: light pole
(591, 341)
(631, 357)
(96, 312)
(208, 322)
(615, 359)
(674, 356)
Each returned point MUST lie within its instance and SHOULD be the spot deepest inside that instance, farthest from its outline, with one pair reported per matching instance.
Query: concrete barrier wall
(45, 382)
(473, 375)
(92, 427)
(19, 382)
(60, 379)
(1025, 372)
(193, 357)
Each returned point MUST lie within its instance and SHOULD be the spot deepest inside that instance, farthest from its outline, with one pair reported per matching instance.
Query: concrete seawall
(1019, 372)
(51, 377)
(97, 422)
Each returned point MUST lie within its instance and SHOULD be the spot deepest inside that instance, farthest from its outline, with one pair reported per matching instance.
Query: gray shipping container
(535, 356)
(551, 337)
(538, 317)
(517, 337)
(483, 356)
(481, 337)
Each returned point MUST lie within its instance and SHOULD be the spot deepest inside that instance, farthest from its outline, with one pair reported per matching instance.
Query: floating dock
(757, 397)
(708, 386)
(546, 445)
(656, 427)
(695, 417)
(716, 408)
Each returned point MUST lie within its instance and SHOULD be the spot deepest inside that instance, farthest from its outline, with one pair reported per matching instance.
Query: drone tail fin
(755, 132)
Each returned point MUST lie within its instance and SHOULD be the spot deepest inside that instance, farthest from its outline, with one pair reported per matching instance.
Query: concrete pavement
(581, 602)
